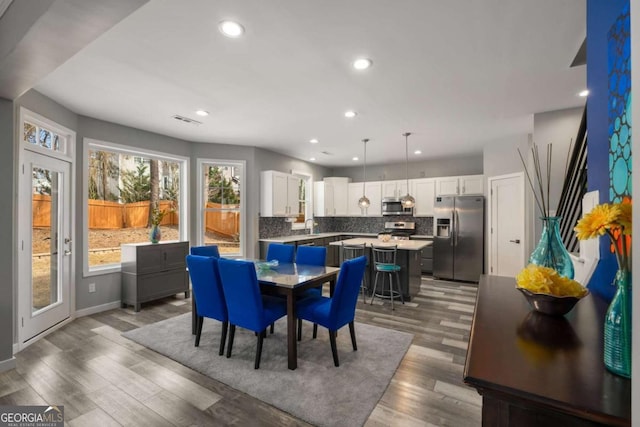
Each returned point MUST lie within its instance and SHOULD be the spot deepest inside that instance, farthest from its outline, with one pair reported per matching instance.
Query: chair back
(207, 287)
(281, 252)
(384, 256)
(208, 250)
(242, 292)
(311, 255)
(348, 252)
(345, 295)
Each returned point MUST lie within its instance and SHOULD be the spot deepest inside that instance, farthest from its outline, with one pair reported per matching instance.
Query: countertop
(298, 237)
(407, 245)
(542, 363)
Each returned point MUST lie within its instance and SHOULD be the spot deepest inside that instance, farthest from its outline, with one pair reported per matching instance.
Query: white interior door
(44, 261)
(507, 225)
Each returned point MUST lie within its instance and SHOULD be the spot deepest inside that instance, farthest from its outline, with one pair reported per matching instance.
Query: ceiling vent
(186, 120)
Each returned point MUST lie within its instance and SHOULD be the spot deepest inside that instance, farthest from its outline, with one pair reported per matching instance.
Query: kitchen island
(408, 258)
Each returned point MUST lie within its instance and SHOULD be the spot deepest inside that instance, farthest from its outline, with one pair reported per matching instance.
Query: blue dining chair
(339, 310)
(207, 250)
(208, 294)
(281, 252)
(311, 255)
(247, 307)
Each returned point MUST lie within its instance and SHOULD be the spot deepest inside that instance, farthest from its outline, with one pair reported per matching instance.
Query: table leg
(332, 286)
(292, 345)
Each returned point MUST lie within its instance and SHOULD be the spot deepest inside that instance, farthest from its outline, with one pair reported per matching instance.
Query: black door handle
(515, 241)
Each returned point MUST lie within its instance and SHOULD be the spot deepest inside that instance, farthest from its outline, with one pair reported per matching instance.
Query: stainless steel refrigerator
(458, 238)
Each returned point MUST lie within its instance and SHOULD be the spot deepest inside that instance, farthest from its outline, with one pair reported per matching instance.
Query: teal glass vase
(155, 234)
(617, 327)
(551, 251)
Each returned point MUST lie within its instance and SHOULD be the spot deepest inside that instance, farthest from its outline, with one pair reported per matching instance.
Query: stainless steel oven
(393, 206)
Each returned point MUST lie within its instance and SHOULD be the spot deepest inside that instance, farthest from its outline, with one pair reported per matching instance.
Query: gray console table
(153, 270)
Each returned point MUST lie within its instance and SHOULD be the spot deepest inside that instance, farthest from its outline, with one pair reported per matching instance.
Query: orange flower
(596, 222)
(624, 219)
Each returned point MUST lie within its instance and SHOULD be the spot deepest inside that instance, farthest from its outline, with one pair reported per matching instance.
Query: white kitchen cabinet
(395, 189)
(278, 194)
(472, 184)
(373, 190)
(355, 192)
(460, 185)
(424, 191)
(331, 197)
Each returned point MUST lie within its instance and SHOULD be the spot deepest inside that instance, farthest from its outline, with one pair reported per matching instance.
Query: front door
(507, 225)
(44, 244)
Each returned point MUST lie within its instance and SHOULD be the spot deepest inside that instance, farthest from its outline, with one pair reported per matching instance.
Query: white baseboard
(8, 364)
(98, 309)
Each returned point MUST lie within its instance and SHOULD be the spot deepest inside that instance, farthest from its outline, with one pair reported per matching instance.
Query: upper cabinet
(278, 194)
(460, 185)
(424, 191)
(331, 197)
(396, 188)
(373, 191)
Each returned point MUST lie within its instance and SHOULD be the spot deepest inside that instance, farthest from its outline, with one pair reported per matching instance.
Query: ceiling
(457, 74)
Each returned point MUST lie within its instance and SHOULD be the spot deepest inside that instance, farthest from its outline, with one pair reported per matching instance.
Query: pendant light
(407, 200)
(364, 200)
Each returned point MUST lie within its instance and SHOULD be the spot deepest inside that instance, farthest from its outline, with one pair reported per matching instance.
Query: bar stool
(384, 260)
(348, 252)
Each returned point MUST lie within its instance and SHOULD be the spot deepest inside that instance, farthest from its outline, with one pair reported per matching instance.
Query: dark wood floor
(103, 379)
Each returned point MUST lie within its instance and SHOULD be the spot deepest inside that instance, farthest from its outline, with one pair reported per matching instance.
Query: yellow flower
(596, 222)
(624, 219)
(545, 280)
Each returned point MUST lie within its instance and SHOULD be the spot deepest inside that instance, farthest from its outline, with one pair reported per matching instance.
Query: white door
(279, 189)
(44, 244)
(389, 189)
(424, 190)
(507, 225)
(355, 192)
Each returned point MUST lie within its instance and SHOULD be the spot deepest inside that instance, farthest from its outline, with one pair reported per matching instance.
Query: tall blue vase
(550, 251)
(155, 234)
(617, 327)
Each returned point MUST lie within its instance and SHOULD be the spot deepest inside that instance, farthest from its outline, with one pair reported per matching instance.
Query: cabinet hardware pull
(515, 241)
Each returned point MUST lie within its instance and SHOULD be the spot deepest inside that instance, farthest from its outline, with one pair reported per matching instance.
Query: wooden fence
(106, 215)
(225, 223)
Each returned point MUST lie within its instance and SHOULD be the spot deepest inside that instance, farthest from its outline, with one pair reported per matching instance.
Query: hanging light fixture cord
(406, 153)
(364, 174)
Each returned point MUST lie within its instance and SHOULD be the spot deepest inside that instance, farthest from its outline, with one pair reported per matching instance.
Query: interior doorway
(506, 224)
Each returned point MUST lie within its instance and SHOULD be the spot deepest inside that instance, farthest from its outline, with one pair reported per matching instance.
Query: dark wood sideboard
(536, 370)
(153, 270)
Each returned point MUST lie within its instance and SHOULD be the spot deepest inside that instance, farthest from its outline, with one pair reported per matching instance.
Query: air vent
(327, 153)
(186, 120)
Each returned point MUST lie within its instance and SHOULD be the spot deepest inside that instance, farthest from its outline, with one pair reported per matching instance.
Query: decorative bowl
(551, 305)
(384, 237)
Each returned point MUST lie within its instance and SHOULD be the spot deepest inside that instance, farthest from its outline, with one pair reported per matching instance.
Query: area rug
(316, 392)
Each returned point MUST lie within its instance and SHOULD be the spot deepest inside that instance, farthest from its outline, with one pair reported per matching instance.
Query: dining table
(288, 280)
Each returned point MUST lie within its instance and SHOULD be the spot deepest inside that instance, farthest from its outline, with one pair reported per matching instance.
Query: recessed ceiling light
(355, 159)
(313, 159)
(231, 29)
(417, 152)
(202, 113)
(350, 114)
(362, 63)
(584, 93)
(313, 141)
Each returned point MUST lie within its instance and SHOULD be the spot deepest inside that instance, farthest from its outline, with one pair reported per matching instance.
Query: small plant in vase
(157, 215)
(550, 251)
(614, 220)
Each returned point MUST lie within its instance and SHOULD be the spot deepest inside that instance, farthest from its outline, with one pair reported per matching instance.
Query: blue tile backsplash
(270, 227)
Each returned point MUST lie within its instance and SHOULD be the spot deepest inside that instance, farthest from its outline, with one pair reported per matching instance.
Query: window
(121, 187)
(222, 205)
(304, 202)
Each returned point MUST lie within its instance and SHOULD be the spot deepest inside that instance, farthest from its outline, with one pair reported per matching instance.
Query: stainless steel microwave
(393, 206)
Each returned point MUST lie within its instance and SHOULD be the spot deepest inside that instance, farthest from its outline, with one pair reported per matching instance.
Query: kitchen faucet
(309, 228)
